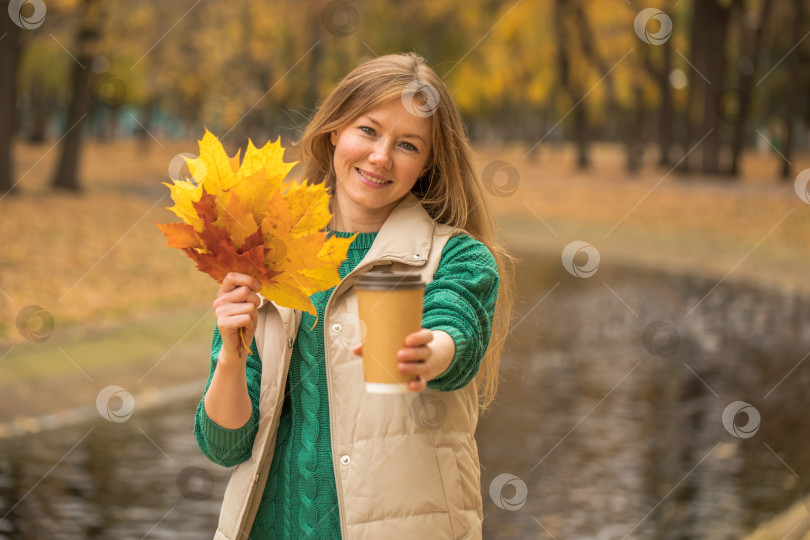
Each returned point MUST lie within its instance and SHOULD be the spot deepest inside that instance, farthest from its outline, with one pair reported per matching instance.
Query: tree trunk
(694, 90)
(570, 87)
(793, 93)
(714, 54)
(66, 176)
(660, 69)
(665, 116)
(41, 110)
(10, 52)
(581, 134)
(635, 140)
(709, 31)
(750, 43)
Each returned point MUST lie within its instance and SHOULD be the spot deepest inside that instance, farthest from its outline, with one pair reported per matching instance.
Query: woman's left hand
(426, 355)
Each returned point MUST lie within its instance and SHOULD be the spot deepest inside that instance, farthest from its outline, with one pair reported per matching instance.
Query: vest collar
(406, 236)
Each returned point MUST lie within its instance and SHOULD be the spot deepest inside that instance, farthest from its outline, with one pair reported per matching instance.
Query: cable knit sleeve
(461, 301)
(229, 447)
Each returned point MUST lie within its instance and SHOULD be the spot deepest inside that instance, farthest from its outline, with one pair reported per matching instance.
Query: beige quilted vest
(406, 465)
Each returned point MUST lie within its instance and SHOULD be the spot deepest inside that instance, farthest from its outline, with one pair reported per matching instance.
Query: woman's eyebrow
(412, 135)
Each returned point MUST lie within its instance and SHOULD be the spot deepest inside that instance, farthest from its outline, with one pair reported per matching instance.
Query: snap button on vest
(290, 342)
(337, 327)
(417, 255)
(345, 459)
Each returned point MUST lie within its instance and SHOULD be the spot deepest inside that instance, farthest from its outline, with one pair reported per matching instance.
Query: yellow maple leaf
(331, 255)
(243, 217)
(237, 219)
(220, 170)
(261, 175)
(310, 204)
(184, 195)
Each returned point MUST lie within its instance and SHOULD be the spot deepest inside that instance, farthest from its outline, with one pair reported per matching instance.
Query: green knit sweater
(300, 498)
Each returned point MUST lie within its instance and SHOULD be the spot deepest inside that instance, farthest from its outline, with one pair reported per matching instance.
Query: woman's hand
(426, 355)
(236, 307)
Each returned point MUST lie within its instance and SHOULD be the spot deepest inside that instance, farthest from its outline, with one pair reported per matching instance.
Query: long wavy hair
(450, 191)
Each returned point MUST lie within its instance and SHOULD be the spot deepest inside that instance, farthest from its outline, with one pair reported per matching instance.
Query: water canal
(634, 404)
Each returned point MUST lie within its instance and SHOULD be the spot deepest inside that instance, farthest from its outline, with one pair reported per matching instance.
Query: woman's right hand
(236, 307)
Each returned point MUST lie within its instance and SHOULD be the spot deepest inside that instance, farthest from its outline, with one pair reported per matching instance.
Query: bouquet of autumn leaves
(244, 218)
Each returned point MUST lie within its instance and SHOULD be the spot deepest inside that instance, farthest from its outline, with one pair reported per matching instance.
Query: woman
(317, 456)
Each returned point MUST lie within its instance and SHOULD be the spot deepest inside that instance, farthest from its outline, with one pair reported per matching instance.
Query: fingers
(421, 337)
(415, 359)
(234, 313)
(236, 307)
(233, 310)
(229, 326)
(235, 279)
(417, 385)
(413, 350)
(413, 354)
(229, 330)
(238, 288)
(419, 367)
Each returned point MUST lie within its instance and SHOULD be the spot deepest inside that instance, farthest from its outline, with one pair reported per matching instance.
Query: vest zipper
(327, 359)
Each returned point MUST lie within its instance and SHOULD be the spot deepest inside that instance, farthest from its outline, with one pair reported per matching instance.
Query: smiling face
(378, 158)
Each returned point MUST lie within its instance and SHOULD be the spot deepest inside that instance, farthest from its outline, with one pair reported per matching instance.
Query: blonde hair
(450, 191)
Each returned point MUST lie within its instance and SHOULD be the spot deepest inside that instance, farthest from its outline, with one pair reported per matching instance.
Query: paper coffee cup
(390, 306)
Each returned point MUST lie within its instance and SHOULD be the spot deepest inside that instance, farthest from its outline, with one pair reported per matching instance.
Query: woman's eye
(367, 130)
(411, 147)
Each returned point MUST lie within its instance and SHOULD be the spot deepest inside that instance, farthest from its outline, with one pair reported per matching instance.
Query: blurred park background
(648, 163)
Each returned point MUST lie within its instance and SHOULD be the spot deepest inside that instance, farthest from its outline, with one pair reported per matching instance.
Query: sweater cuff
(449, 379)
(223, 442)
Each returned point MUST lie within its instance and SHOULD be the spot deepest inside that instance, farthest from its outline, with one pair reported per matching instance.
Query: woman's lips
(370, 180)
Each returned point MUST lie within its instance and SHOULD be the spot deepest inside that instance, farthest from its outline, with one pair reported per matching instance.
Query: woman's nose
(380, 155)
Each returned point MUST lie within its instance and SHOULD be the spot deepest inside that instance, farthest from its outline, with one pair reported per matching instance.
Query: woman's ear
(333, 137)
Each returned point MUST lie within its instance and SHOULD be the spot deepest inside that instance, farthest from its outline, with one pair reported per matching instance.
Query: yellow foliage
(238, 218)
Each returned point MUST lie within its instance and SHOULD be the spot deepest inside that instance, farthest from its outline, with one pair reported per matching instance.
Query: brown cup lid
(389, 280)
